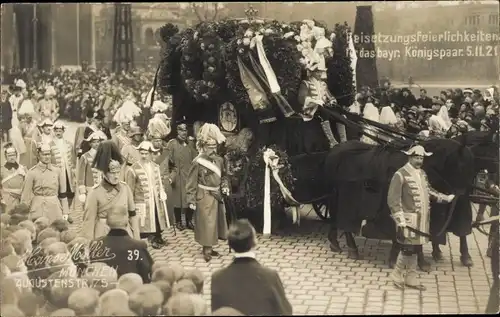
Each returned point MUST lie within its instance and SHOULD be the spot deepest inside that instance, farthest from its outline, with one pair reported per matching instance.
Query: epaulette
(95, 186)
(33, 167)
(122, 182)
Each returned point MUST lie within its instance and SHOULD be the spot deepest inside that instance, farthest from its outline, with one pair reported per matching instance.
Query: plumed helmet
(108, 157)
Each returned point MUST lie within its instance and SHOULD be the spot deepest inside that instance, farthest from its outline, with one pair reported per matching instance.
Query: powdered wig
(106, 152)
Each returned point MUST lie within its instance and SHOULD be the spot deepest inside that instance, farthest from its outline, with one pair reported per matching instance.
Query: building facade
(45, 35)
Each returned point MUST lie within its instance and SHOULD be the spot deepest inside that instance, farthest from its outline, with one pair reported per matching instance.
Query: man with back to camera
(263, 292)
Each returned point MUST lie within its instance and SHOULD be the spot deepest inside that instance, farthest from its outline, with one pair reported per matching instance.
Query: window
(473, 20)
(149, 37)
(157, 37)
(493, 19)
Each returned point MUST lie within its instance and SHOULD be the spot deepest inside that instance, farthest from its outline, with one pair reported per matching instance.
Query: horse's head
(451, 167)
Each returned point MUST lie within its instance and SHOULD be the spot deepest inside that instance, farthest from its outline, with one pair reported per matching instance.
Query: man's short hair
(84, 301)
(146, 300)
(118, 218)
(241, 236)
(423, 90)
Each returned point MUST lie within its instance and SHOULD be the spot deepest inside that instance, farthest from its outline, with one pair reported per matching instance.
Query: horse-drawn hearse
(279, 92)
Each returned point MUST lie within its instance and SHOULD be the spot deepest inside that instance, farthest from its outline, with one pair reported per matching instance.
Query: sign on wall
(228, 118)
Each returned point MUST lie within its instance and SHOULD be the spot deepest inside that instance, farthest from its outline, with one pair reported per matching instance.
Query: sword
(427, 235)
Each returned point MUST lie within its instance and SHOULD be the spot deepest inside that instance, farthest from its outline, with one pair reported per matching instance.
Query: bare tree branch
(205, 5)
(216, 11)
(194, 7)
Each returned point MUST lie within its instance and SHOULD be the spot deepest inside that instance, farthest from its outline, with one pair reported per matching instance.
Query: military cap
(184, 286)
(170, 273)
(196, 276)
(84, 301)
(146, 300)
(129, 282)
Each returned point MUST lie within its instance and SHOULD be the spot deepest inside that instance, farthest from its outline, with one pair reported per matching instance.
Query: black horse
(358, 177)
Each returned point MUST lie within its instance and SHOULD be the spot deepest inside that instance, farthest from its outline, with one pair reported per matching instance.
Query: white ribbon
(264, 62)
(354, 58)
(271, 160)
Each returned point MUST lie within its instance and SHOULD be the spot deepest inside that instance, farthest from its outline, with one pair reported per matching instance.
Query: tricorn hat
(97, 135)
(134, 130)
(417, 150)
(46, 122)
(59, 125)
(147, 146)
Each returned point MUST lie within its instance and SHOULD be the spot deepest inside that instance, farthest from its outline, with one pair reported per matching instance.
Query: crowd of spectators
(48, 270)
(79, 90)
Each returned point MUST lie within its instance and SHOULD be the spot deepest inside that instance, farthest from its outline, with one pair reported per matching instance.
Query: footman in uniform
(204, 189)
(12, 176)
(110, 193)
(87, 176)
(145, 181)
(44, 189)
(408, 199)
(63, 158)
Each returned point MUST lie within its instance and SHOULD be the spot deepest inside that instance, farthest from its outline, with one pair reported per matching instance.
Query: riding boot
(465, 257)
(412, 280)
(352, 249)
(437, 255)
(399, 271)
(178, 219)
(422, 263)
(189, 218)
(334, 242)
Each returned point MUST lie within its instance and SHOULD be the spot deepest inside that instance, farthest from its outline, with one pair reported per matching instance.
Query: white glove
(192, 206)
(225, 191)
(163, 196)
(65, 217)
(450, 198)
(82, 198)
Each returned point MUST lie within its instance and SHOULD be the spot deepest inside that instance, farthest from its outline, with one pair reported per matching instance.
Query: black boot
(189, 219)
(393, 254)
(422, 263)
(178, 219)
(465, 257)
(207, 254)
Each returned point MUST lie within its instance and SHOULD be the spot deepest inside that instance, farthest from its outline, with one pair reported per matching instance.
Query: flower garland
(201, 62)
(279, 51)
(170, 59)
(255, 179)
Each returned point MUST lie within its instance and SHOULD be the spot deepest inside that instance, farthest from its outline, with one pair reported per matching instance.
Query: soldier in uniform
(87, 176)
(145, 181)
(63, 158)
(205, 186)
(49, 107)
(44, 189)
(129, 152)
(95, 125)
(108, 194)
(80, 131)
(12, 176)
(408, 199)
(180, 154)
(121, 137)
(46, 128)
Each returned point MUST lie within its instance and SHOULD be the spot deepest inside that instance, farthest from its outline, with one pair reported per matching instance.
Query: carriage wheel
(321, 210)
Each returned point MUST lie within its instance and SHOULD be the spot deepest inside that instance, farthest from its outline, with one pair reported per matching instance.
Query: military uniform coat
(100, 200)
(121, 139)
(63, 157)
(145, 181)
(410, 193)
(41, 191)
(203, 189)
(12, 185)
(48, 109)
(88, 176)
(179, 161)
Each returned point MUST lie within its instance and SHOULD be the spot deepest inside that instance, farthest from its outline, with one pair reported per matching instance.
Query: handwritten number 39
(133, 255)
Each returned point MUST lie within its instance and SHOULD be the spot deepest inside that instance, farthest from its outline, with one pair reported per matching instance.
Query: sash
(153, 193)
(164, 204)
(209, 165)
(18, 171)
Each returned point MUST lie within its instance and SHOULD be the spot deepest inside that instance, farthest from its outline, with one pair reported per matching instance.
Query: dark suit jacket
(124, 253)
(251, 288)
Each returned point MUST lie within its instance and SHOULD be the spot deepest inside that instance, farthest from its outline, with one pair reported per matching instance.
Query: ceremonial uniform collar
(118, 232)
(181, 142)
(248, 254)
(44, 166)
(108, 186)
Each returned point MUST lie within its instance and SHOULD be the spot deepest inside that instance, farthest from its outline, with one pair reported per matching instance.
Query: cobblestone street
(318, 281)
